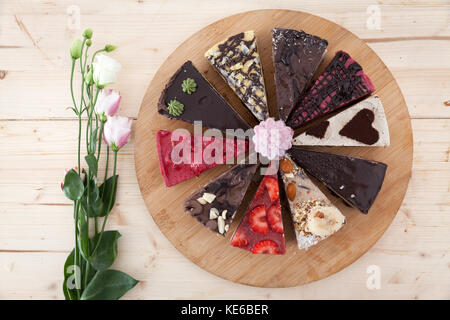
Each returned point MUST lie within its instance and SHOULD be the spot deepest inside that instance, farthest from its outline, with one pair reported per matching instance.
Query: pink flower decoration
(117, 132)
(107, 103)
(272, 138)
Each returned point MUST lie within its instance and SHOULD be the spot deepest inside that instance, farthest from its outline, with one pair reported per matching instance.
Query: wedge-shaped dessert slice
(342, 83)
(215, 205)
(363, 124)
(261, 229)
(237, 60)
(357, 181)
(315, 218)
(296, 57)
(183, 156)
(197, 100)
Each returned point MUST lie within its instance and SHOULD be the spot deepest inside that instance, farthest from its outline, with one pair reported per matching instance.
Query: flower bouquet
(87, 273)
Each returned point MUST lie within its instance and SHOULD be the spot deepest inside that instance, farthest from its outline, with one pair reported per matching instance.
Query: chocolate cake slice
(237, 60)
(296, 57)
(342, 83)
(357, 181)
(199, 100)
(215, 205)
(363, 124)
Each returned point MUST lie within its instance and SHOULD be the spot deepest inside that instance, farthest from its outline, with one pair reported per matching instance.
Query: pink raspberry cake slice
(342, 83)
(177, 166)
(261, 230)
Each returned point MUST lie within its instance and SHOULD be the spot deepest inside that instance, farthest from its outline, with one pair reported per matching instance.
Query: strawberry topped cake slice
(261, 229)
(183, 156)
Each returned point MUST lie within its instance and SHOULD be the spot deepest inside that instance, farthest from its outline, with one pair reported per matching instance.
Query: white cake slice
(363, 124)
(315, 218)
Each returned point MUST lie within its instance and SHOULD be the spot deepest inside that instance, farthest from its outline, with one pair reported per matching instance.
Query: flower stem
(76, 250)
(108, 208)
(100, 135)
(71, 85)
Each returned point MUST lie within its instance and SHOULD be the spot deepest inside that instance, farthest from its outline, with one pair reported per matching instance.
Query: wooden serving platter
(213, 252)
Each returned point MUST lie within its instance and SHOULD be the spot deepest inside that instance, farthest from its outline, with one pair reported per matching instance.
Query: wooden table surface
(38, 140)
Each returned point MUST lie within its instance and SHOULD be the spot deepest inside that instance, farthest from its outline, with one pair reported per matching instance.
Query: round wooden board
(214, 253)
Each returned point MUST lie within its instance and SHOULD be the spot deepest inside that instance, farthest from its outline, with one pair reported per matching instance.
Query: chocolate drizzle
(342, 83)
(237, 60)
(319, 130)
(296, 56)
(360, 128)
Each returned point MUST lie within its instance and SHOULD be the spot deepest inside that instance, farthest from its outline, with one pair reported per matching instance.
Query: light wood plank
(35, 39)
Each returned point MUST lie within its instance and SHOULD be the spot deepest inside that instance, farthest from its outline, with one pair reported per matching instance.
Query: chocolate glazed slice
(357, 181)
(216, 204)
(204, 104)
(296, 57)
(342, 83)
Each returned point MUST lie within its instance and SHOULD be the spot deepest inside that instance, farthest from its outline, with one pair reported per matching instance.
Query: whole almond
(291, 191)
(286, 165)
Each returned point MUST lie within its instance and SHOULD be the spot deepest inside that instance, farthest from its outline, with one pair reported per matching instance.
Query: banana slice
(324, 221)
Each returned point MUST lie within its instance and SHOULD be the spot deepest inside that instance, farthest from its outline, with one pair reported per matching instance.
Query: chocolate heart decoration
(360, 128)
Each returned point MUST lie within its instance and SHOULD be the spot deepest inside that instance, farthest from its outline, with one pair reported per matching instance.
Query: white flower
(117, 132)
(107, 103)
(105, 70)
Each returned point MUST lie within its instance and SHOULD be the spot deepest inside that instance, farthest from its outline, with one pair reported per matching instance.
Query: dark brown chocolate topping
(296, 57)
(229, 189)
(360, 128)
(318, 130)
(342, 83)
(205, 104)
(230, 55)
(357, 181)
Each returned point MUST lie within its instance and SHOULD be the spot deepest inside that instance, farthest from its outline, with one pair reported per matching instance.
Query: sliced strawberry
(258, 221)
(274, 218)
(266, 247)
(239, 240)
(272, 188)
(259, 192)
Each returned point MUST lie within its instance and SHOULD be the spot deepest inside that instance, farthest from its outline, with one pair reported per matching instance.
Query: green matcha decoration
(175, 107)
(189, 85)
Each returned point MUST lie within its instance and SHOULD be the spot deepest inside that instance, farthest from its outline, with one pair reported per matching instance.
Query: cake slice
(215, 204)
(315, 218)
(363, 124)
(183, 156)
(261, 229)
(296, 57)
(342, 83)
(357, 181)
(199, 99)
(238, 62)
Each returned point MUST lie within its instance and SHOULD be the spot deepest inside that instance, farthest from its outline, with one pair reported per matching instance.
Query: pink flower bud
(107, 103)
(65, 172)
(117, 132)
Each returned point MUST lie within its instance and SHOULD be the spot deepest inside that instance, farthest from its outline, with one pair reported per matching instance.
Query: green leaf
(106, 192)
(96, 206)
(73, 185)
(108, 285)
(70, 280)
(91, 160)
(106, 252)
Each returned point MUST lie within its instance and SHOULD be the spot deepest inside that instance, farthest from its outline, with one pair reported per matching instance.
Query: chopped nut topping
(209, 197)
(213, 213)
